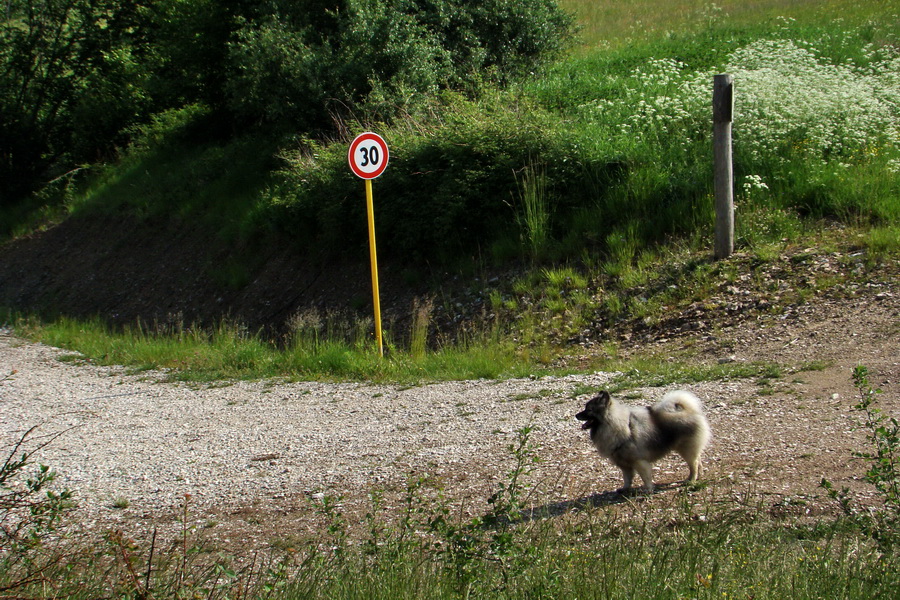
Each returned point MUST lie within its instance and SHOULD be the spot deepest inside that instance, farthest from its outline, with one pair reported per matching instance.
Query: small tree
(299, 62)
(69, 81)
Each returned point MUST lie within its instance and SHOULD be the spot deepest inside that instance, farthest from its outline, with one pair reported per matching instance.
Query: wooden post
(723, 109)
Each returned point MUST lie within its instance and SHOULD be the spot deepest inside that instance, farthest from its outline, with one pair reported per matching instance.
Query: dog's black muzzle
(589, 421)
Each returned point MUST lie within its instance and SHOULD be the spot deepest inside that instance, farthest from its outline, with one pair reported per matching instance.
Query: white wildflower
(754, 182)
(893, 165)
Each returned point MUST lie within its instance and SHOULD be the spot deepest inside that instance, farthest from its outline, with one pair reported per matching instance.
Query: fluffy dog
(635, 437)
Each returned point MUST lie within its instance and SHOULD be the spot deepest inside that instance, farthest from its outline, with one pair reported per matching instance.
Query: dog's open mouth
(588, 421)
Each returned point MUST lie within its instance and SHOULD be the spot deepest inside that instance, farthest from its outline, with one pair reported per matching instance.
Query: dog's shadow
(557, 509)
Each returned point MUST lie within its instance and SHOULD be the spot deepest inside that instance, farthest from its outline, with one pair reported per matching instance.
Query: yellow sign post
(368, 158)
(373, 259)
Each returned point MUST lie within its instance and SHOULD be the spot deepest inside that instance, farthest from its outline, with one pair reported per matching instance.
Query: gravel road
(135, 440)
(251, 454)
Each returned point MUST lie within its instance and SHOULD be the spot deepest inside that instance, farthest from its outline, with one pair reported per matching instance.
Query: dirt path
(252, 456)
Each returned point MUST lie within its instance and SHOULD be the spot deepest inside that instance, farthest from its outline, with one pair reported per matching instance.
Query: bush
(300, 63)
(30, 514)
(449, 189)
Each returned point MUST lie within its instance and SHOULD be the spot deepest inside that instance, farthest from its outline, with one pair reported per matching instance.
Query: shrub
(449, 188)
(299, 63)
(30, 514)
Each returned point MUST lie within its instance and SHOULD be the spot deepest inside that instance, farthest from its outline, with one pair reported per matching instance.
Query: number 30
(370, 156)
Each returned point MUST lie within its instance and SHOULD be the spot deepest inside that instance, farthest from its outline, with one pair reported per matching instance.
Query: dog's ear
(599, 403)
(603, 398)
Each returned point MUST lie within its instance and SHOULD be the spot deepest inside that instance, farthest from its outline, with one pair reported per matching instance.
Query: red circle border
(359, 140)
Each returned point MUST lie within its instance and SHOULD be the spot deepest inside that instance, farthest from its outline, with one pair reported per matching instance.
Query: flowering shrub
(787, 99)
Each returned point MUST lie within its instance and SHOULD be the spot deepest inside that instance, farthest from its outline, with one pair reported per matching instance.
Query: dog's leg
(646, 471)
(627, 477)
(696, 469)
(692, 458)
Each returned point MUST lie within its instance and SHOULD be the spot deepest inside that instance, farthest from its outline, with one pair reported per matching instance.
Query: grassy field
(616, 24)
(624, 117)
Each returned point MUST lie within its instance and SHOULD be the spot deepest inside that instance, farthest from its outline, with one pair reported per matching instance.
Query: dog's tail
(677, 402)
(682, 411)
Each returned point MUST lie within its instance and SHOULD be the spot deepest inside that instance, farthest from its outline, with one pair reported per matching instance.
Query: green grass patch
(660, 372)
(231, 352)
(883, 242)
(181, 168)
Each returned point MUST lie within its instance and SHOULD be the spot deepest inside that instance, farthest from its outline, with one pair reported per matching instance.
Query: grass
(231, 352)
(616, 24)
(593, 556)
(185, 171)
(533, 213)
(696, 542)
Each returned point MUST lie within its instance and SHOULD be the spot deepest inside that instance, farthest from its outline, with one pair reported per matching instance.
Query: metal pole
(373, 259)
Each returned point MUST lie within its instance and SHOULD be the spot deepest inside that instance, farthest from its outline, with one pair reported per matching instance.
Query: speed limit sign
(368, 158)
(368, 155)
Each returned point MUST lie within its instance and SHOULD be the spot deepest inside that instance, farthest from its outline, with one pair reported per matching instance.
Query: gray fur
(635, 437)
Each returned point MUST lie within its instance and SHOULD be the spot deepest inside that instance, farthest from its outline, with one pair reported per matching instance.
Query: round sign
(368, 155)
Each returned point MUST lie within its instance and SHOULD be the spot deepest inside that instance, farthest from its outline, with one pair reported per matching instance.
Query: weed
(564, 279)
(31, 513)
(534, 210)
(418, 336)
(330, 508)
(883, 434)
(884, 437)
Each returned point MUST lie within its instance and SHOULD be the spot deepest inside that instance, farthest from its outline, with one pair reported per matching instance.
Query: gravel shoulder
(252, 455)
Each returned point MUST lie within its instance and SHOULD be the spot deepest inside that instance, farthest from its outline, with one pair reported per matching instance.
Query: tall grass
(230, 351)
(533, 214)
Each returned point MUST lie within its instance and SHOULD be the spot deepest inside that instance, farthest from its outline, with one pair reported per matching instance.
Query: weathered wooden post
(723, 109)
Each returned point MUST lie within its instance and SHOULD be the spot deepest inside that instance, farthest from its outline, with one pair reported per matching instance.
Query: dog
(635, 437)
